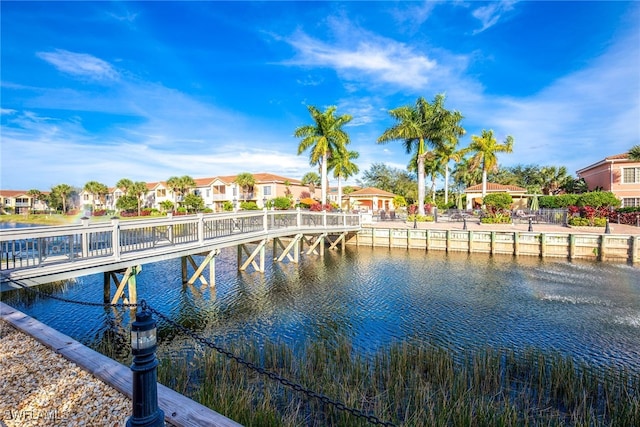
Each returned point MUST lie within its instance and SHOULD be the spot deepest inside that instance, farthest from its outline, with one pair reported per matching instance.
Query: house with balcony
(617, 174)
(20, 202)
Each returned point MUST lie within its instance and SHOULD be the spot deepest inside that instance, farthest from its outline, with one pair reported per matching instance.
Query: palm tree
(340, 163)
(464, 176)
(138, 189)
(485, 148)
(312, 180)
(553, 178)
(97, 190)
(634, 153)
(445, 153)
(246, 181)
(323, 137)
(420, 125)
(35, 195)
(124, 184)
(181, 185)
(62, 191)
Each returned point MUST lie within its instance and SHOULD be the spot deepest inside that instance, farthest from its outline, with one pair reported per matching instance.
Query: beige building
(474, 194)
(20, 202)
(371, 200)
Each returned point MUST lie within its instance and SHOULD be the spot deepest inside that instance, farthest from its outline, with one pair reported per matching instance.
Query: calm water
(379, 296)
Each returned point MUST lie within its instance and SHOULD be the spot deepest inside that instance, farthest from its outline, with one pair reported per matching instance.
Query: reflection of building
(371, 199)
(518, 194)
(617, 174)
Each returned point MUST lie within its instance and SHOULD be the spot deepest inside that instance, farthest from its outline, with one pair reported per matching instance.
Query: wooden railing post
(201, 228)
(115, 237)
(85, 237)
(265, 220)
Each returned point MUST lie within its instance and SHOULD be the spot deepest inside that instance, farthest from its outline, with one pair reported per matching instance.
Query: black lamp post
(530, 225)
(464, 222)
(415, 221)
(145, 374)
(606, 227)
(264, 202)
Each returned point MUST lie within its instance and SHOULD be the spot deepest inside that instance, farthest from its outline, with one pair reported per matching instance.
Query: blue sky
(148, 90)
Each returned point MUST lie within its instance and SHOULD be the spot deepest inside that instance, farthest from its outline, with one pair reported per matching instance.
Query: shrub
(100, 212)
(498, 201)
(420, 218)
(282, 203)
(249, 206)
(558, 202)
(598, 199)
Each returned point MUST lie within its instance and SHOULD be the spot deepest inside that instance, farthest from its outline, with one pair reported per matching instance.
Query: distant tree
(464, 176)
(311, 180)
(322, 138)
(486, 148)
(245, 181)
(36, 195)
(181, 185)
(167, 205)
(124, 184)
(393, 180)
(138, 189)
(553, 178)
(62, 191)
(128, 202)
(342, 166)
(97, 190)
(421, 126)
(193, 203)
(634, 153)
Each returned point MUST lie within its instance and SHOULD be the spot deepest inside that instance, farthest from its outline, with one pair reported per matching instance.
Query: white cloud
(365, 57)
(490, 14)
(80, 65)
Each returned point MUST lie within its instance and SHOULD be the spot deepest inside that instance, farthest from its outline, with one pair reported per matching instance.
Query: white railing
(42, 246)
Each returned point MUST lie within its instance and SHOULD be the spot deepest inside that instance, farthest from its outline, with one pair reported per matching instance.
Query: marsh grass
(407, 384)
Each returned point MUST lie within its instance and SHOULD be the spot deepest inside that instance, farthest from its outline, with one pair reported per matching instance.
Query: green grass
(407, 384)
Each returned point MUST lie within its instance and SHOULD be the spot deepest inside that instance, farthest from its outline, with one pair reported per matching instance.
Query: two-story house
(617, 174)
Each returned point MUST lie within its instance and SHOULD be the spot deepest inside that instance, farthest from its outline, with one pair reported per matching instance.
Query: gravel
(41, 388)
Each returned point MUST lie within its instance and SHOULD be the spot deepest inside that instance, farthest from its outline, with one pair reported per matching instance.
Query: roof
(261, 178)
(496, 188)
(371, 191)
(12, 193)
(616, 158)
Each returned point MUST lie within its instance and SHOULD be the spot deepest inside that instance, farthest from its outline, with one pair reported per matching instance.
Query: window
(267, 190)
(161, 192)
(208, 192)
(631, 175)
(630, 202)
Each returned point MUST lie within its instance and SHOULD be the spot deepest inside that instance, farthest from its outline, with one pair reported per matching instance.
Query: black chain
(87, 303)
(271, 375)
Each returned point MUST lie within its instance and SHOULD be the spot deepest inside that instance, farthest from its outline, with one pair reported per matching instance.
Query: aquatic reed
(407, 384)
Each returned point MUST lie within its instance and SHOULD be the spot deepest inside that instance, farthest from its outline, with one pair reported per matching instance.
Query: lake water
(377, 296)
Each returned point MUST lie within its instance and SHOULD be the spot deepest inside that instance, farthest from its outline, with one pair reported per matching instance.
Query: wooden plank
(178, 409)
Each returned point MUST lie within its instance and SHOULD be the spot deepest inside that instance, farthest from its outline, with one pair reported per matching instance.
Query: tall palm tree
(138, 189)
(124, 184)
(323, 137)
(485, 148)
(420, 126)
(342, 166)
(634, 153)
(63, 191)
(445, 153)
(245, 180)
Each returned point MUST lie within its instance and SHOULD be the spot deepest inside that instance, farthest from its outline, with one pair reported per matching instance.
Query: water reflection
(375, 297)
